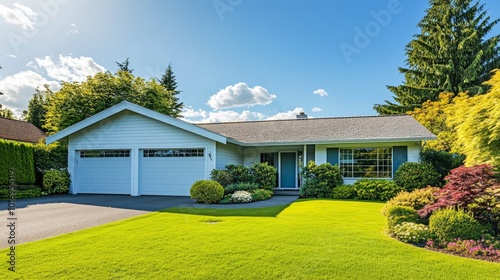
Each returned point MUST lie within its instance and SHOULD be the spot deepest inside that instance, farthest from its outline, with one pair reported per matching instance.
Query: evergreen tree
(450, 54)
(37, 107)
(124, 66)
(169, 83)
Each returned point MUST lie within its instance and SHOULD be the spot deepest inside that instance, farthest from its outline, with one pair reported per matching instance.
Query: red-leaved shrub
(464, 185)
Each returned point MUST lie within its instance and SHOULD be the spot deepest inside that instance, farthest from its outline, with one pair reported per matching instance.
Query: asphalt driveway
(39, 218)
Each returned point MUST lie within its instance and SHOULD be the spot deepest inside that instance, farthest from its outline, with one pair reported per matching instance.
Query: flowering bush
(474, 248)
(411, 233)
(241, 196)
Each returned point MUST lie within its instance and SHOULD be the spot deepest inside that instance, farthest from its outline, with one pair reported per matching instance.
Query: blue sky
(233, 59)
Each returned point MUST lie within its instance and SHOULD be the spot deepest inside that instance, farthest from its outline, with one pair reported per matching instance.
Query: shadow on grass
(271, 211)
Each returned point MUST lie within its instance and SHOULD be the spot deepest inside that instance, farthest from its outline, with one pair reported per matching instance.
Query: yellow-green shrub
(207, 191)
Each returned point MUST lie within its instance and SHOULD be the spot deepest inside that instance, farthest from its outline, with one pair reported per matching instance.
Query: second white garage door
(170, 171)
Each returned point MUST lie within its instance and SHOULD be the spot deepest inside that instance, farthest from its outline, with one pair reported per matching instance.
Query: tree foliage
(7, 113)
(476, 121)
(124, 66)
(37, 107)
(433, 115)
(77, 101)
(451, 54)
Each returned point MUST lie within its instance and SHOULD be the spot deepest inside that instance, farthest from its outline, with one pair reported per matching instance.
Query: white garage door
(170, 171)
(103, 171)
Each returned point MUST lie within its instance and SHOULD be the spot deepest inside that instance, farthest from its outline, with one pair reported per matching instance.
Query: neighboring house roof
(127, 106)
(323, 130)
(20, 131)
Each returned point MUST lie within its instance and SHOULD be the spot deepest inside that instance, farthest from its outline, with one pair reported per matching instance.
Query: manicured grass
(310, 239)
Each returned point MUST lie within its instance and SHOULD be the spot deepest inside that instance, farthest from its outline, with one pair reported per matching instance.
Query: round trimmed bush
(207, 191)
(397, 215)
(414, 175)
(449, 224)
(56, 181)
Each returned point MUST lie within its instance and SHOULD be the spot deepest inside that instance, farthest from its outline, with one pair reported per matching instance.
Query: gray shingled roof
(324, 130)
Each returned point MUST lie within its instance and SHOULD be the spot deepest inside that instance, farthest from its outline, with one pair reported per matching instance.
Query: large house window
(366, 162)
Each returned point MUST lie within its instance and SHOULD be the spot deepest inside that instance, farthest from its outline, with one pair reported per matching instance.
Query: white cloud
(68, 69)
(11, 56)
(316, 109)
(240, 95)
(20, 15)
(72, 29)
(201, 116)
(321, 92)
(287, 115)
(19, 88)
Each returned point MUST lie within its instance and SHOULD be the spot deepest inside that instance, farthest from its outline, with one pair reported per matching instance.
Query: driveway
(43, 217)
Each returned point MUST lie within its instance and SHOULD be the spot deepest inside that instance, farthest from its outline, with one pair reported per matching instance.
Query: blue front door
(287, 171)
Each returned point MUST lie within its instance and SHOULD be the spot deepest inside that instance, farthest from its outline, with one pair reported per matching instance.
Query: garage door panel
(103, 171)
(170, 171)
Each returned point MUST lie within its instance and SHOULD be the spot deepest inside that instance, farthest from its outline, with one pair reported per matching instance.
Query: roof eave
(346, 141)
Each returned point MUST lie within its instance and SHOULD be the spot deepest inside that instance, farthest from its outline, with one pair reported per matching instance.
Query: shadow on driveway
(143, 203)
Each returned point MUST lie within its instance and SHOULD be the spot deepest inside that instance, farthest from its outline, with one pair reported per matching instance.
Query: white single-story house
(128, 149)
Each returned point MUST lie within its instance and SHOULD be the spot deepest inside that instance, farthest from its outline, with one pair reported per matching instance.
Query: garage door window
(104, 153)
(174, 153)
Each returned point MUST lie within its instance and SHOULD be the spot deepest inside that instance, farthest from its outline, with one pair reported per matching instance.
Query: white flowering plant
(411, 233)
(241, 197)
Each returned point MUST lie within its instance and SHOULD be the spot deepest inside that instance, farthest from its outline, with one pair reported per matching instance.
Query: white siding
(228, 153)
(128, 130)
(252, 154)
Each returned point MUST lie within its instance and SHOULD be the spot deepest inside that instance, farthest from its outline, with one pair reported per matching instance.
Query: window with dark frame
(366, 162)
(270, 158)
(174, 153)
(104, 153)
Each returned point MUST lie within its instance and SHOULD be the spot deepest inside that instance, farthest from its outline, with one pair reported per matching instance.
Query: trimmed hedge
(344, 192)
(376, 189)
(206, 191)
(47, 157)
(19, 157)
(24, 191)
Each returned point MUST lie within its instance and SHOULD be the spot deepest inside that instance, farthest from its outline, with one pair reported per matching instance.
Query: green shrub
(241, 197)
(411, 233)
(23, 191)
(222, 177)
(344, 192)
(373, 189)
(416, 199)
(47, 157)
(206, 191)
(261, 194)
(240, 187)
(448, 224)
(239, 173)
(397, 215)
(19, 157)
(320, 180)
(442, 161)
(264, 175)
(226, 199)
(413, 175)
(56, 181)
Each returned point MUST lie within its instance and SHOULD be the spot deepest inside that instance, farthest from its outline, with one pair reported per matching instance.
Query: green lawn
(310, 239)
